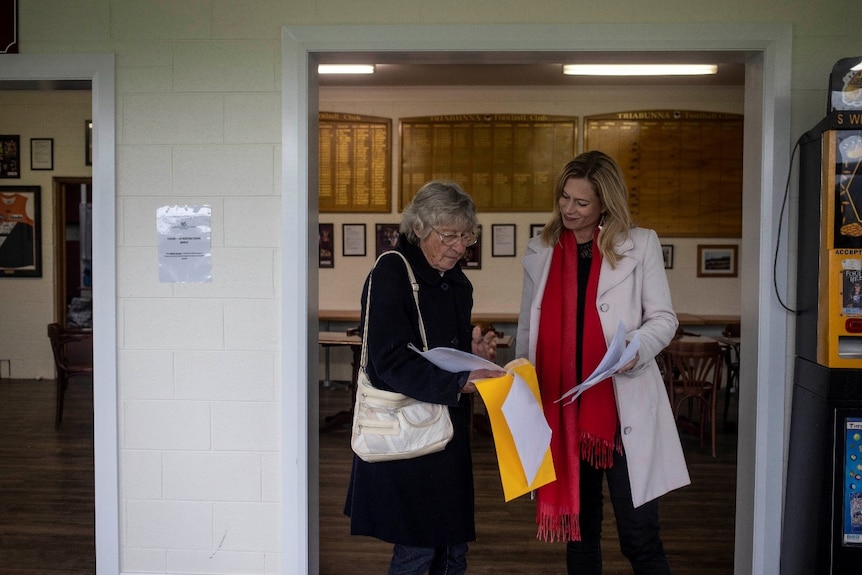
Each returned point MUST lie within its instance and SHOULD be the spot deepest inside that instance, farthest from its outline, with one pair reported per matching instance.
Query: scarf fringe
(598, 451)
(557, 526)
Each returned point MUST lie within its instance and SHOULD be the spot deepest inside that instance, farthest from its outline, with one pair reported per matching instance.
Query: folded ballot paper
(616, 357)
(522, 436)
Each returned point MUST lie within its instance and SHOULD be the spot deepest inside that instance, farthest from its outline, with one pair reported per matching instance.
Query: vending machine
(822, 525)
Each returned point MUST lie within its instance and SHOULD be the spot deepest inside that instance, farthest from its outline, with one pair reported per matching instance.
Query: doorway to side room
(73, 253)
(98, 71)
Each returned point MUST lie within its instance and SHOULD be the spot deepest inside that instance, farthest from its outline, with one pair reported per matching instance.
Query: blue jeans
(638, 528)
(450, 560)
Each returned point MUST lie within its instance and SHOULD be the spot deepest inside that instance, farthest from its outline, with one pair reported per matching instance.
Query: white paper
(617, 356)
(455, 360)
(530, 430)
(184, 234)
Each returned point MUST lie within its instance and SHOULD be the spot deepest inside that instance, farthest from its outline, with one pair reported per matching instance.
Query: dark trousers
(638, 528)
(407, 560)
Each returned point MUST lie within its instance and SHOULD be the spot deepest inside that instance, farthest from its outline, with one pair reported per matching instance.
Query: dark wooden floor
(46, 480)
(697, 521)
(46, 500)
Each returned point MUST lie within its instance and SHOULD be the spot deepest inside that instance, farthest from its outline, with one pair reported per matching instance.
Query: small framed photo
(386, 237)
(88, 142)
(326, 251)
(536, 229)
(10, 156)
(717, 261)
(353, 239)
(472, 259)
(503, 240)
(667, 255)
(22, 248)
(41, 153)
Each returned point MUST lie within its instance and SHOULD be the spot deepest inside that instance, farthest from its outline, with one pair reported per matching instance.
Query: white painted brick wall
(208, 476)
(245, 426)
(168, 425)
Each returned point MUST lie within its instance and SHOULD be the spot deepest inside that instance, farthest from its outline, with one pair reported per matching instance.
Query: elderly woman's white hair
(438, 204)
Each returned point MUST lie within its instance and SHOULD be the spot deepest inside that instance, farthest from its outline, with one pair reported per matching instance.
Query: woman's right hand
(470, 387)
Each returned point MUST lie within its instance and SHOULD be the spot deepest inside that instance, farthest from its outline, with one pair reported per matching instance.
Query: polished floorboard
(46, 480)
(697, 521)
(47, 519)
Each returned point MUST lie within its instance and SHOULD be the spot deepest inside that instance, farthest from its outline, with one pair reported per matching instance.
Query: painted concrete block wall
(197, 86)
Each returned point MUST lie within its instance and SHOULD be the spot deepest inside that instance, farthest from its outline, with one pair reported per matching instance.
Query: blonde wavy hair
(609, 184)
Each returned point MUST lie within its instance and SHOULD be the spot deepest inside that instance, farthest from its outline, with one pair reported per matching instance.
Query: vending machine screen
(852, 532)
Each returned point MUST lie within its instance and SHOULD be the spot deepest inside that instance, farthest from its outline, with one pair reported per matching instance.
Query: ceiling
(442, 68)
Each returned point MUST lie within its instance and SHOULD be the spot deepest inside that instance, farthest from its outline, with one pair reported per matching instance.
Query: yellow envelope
(494, 392)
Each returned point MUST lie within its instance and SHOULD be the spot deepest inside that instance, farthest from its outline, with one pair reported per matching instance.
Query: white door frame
(99, 69)
(767, 148)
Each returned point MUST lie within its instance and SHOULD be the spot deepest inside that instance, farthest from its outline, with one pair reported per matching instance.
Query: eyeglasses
(450, 240)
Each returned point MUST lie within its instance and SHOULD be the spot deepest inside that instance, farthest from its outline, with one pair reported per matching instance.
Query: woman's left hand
(630, 365)
(485, 345)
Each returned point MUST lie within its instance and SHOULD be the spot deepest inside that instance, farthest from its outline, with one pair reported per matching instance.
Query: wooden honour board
(506, 162)
(355, 163)
(683, 168)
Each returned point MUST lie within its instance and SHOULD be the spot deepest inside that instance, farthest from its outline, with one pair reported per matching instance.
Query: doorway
(767, 129)
(73, 253)
(99, 70)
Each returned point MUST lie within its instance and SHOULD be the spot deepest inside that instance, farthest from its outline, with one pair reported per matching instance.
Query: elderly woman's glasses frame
(467, 240)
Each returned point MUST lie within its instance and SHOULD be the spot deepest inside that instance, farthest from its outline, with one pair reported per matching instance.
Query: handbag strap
(415, 288)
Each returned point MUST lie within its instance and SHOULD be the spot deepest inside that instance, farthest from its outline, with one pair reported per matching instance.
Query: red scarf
(586, 429)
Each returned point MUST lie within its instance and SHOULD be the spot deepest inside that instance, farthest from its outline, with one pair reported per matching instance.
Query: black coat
(426, 501)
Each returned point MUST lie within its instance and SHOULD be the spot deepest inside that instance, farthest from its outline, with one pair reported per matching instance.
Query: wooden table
(339, 338)
(689, 319)
(330, 339)
(352, 316)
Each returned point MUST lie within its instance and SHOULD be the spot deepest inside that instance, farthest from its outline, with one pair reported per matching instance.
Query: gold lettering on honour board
(683, 168)
(506, 162)
(355, 167)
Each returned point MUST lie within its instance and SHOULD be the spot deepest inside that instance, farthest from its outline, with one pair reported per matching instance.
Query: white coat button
(604, 307)
(627, 430)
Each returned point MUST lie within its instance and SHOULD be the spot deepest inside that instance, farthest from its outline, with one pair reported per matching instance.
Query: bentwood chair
(731, 360)
(73, 358)
(696, 366)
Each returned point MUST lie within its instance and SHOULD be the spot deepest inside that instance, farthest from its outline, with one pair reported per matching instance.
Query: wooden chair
(731, 361)
(696, 366)
(73, 357)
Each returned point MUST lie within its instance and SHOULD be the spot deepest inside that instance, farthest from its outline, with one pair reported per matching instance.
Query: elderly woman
(424, 506)
(589, 271)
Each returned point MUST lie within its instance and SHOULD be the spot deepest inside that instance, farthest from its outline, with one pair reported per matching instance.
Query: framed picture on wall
(386, 237)
(353, 239)
(326, 246)
(20, 243)
(667, 255)
(503, 240)
(10, 156)
(717, 261)
(472, 259)
(88, 142)
(536, 229)
(41, 154)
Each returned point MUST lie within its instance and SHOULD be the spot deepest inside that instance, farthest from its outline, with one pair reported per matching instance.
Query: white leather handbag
(389, 425)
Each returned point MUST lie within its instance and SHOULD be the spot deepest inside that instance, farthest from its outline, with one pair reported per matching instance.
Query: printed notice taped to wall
(185, 234)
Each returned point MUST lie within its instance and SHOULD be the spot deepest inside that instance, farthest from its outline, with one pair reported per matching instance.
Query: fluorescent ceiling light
(345, 69)
(639, 69)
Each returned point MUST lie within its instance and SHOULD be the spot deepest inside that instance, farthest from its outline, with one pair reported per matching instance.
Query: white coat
(636, 292)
